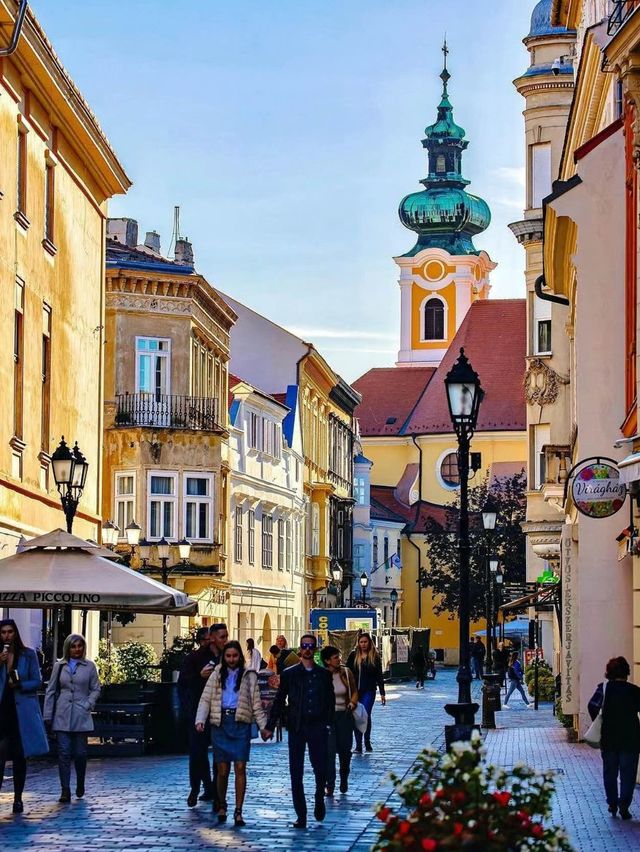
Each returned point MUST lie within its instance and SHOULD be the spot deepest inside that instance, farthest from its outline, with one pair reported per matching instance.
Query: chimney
(184, 252)
(123, 231)
(152, 241)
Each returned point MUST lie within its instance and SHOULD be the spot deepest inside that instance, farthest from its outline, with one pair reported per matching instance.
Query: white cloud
(341, 334)
(512, 174)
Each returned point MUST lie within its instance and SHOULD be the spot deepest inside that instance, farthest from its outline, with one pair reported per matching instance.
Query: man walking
(478, 652)
(309, 691)
(218, 638)
(190, 686)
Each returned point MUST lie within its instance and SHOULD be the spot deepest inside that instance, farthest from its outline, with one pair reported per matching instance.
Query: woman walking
(419, 665)
(619, 701)
(231, 702)
(364, 661)
(72, 693)
(516, 677)
(341, 729)
(22, 732)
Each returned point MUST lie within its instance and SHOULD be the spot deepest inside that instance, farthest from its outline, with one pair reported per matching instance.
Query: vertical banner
(570, 657)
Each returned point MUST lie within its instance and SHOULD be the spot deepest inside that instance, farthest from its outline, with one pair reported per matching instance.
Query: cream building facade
(267, 518)
(58, 173)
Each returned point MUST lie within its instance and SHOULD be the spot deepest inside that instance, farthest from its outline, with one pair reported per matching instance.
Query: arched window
(434, 320)
(449, 470)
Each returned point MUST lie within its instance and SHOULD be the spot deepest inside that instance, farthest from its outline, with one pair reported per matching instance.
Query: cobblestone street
(136, 805)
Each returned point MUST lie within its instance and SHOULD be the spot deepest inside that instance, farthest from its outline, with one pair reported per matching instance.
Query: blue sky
(289, 130)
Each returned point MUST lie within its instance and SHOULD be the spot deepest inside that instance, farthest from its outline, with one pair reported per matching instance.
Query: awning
(539, 598)
(629, 468)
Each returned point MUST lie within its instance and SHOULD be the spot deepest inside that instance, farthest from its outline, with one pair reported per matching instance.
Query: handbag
(360, 717)
(593, 734)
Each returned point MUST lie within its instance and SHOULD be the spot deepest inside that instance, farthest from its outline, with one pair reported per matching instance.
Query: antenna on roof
(175, 234)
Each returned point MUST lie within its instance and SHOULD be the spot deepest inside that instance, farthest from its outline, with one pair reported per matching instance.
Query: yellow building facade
(58, 172)
(166, 420)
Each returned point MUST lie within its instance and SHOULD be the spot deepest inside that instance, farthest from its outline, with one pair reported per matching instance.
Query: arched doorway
(267, 639)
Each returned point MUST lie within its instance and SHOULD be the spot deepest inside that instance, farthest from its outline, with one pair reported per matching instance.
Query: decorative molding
(630, 76)
(150, 302)
(541, 383)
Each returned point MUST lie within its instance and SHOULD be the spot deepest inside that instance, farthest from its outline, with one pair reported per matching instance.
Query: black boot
(65, 796)
(81, 771)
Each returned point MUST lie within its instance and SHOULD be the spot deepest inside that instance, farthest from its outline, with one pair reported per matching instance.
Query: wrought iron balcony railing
(168, 411)
(621, 11)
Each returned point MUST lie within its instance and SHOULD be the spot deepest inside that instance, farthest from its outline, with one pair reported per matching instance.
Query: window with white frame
(358, 558)
(162, 503)
(125, 500)
(434, 319)
(360, 490)
(385, 550)
(289, 546)
(542, 326)
(264, 435)
(153, 362)
(267, 541)
(374, 554)
(198, 506)
(540, 165)
(542, 437)
(237, 538)
(281, 543)
(251, 535)
(315, 529)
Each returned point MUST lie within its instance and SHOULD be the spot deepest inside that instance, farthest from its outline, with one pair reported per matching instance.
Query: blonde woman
(71, 695)
(364, 661)
(231, 702)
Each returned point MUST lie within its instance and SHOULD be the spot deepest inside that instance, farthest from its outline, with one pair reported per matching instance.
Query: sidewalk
(139, 804)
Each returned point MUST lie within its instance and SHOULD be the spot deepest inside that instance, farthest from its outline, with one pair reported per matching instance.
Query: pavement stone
(139, 804)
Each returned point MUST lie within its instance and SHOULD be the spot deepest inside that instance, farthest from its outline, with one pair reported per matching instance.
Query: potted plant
(457, 801)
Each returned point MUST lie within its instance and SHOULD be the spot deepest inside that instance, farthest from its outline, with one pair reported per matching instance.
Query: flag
(395, 561)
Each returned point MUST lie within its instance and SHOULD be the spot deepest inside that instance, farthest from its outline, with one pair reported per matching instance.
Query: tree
(507, 543)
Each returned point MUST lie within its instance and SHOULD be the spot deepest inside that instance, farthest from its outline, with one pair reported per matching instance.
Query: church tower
(443, 273)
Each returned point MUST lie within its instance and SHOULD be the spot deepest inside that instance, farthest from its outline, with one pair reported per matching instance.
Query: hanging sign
(597, 490)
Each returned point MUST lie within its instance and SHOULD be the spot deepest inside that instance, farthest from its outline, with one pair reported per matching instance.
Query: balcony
(166, 411)
(621, 11)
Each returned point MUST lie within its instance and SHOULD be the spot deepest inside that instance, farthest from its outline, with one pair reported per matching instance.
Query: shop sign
(597, 490)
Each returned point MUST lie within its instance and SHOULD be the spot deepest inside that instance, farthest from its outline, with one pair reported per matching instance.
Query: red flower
(440, 794)
(383, 814)
(458, 828)
(404, 827)
(537, 829)
(429, 845)
(459, 798)
(502, 798)
(425, 800)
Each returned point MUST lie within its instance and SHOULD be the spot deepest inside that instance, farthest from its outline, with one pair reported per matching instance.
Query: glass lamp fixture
(184, 549)
(489, 515)
(464, 394)
(144, 550)
(164, 548)
(133, 533)
(493, 565)
(62, 462)
(364, 580)
(110, 534)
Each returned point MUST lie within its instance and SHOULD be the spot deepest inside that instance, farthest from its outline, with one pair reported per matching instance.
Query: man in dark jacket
(478, 653)
(190, 686)
(309, 690)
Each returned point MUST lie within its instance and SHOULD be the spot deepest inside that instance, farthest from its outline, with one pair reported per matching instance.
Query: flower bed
(457, 801)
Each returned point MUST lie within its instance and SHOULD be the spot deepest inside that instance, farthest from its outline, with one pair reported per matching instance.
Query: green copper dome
(444, 214)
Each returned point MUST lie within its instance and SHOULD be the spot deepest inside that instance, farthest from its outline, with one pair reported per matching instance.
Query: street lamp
(70, 469)
(489, 518)
(337, 575)
(394, 600)
(499, 581)
(464, 395)
(364, 582)
(163, 548)
(109, 534)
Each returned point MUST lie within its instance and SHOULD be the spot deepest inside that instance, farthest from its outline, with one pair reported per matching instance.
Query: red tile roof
(389, 394)
(493, 334)
(386, 507)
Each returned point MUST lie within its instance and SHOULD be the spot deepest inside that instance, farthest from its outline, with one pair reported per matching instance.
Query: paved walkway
(138, 805)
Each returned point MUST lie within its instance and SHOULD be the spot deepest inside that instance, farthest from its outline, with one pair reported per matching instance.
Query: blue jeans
(624, 764)
(71, 745)
(368, 700)
(477, 666)
(513, 685)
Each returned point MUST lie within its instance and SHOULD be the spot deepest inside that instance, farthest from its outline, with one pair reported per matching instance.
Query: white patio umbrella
(61, 570)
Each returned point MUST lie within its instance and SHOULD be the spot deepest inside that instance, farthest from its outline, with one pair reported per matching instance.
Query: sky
(288, 131)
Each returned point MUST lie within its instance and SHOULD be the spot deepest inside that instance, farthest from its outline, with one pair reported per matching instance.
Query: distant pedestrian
(72, 693)
(364, 661)
(501, 661)
(620, 737)
(286, 657)
(419, 666)
(341, 730)
(231, 702)
(308, 688)
(190, 686)
(478, 653)
(515, 676)
(272, 664)
(22, 732)
(254, 657)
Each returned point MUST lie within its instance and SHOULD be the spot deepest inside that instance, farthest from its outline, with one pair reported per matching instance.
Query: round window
(449, 470)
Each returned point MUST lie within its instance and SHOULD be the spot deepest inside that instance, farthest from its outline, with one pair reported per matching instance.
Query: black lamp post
(70, 469)
(337, 575)
(394, 601)
(364, 582)
(489, 518)
(164, 552)
(464, 395)
(110, 536)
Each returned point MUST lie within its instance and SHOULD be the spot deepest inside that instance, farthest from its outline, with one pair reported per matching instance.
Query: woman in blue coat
(22, 732)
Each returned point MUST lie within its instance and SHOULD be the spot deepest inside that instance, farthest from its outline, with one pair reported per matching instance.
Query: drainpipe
(548, 297)
(17, 29)
(411, 542)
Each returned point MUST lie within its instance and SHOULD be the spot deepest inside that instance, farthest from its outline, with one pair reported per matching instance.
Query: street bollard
(490, 700)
